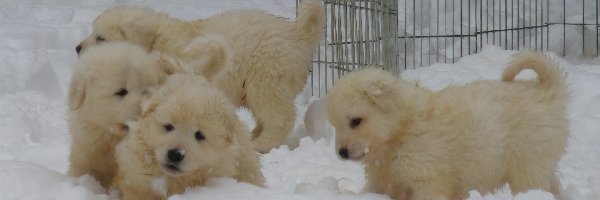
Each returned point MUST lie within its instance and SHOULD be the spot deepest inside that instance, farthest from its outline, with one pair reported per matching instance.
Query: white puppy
(188, 132)
(419, 144)
(106, 90)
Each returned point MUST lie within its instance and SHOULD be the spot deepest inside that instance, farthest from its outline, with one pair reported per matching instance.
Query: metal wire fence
(405, 34)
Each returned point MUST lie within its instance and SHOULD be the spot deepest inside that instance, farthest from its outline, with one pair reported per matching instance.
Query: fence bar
(487, 21)
(512, 24)
(353, 54)
(453, 32)
(582, 26)
(506, 24)
(445, 32)
(530, 23)
(421, 39)
(564, 27)
(437, 38)
(541, 23)
(548, 27)
(493, 22)
(518, 24)
(344, 37)
(523, 23)
(461, 48)
(536, 24)
(480, 24)
(469, 27)
(477, 36)
(405, 34)
(429, 36)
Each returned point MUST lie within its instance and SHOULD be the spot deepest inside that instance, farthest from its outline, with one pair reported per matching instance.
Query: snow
(37, 43)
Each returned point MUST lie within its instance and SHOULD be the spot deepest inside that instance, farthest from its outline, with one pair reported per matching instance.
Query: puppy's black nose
(343, 152)
(78, 49)
(175, 155)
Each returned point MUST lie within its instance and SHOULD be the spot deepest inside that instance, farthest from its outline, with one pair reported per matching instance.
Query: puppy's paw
(263, 146)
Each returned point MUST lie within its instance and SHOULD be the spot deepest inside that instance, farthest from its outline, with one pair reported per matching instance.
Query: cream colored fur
(271, 56)
(418, 144)
(97, 114)
(190, 105)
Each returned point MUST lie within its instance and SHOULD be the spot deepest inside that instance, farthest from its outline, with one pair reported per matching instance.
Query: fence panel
(406, 34)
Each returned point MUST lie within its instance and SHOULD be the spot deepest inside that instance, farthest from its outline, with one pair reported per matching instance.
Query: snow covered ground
(37, 40)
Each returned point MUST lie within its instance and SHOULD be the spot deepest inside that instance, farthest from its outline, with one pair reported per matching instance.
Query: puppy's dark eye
(355, 122)
(100, 39)
(121, 92)
(199, 135)
(168, 127)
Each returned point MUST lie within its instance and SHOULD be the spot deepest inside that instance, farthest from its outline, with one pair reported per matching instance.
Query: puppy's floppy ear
(383, 94)
(77, 91)
(168, 65)
(140, 32)
(208, 55)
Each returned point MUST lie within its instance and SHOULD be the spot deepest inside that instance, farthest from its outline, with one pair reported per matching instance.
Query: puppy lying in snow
(420, 144)
(107, 86)
(271, 56)
(188, 132)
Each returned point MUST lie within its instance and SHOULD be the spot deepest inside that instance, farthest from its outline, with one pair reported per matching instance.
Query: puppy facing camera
(188, 132)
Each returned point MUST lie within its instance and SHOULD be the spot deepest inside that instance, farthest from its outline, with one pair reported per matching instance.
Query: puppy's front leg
(93, 154)
(248, 169)
(135, 187)
(430, 190)
(136, 194)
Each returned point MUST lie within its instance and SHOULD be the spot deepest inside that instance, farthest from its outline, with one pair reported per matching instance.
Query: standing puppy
(188, 132)
(106, 90)
(271, 62)
(419, 144)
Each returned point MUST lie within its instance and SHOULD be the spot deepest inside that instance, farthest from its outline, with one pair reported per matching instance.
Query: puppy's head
(190, 125)
(109, 83)
(361, 106)
(137, 25)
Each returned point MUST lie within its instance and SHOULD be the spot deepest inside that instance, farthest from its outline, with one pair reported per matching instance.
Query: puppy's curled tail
(550, 76)
(309, 21)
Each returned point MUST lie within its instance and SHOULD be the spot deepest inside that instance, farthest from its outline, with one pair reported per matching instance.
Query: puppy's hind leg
(275, 114)
(533, 177)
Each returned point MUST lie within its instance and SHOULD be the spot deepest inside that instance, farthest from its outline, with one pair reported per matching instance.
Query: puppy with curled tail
(419, 144)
